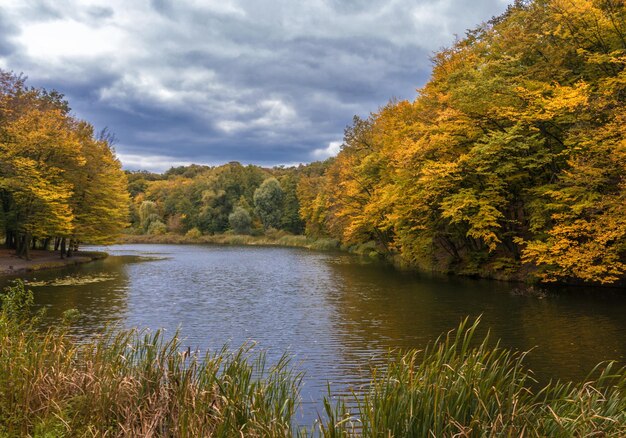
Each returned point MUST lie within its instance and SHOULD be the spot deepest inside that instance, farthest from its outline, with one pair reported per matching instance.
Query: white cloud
(331, 150)
(153, 163)
(219, 7)
(52, 41)
(274, 114)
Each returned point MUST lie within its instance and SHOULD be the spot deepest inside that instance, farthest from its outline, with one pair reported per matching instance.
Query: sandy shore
(10, 264)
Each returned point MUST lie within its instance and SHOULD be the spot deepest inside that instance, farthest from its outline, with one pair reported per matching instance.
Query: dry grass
(275, 238)
(130, 383)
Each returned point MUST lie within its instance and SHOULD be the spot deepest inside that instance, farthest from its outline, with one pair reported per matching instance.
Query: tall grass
(456, 388)
(132, 383)
(271, 238)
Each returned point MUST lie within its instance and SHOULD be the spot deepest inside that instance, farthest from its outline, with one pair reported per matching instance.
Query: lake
(334, 313)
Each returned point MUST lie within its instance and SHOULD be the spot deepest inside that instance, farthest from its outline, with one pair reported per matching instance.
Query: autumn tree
(56, 180)
(100, 198)
(512, 154)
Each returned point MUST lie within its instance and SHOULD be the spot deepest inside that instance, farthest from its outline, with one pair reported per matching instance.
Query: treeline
(60, 183)
(196, 200)
(511, 159)
(510, 162)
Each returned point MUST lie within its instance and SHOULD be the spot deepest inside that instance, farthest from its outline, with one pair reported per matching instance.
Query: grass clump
(325, 244)
(456, 388)
(132, 383)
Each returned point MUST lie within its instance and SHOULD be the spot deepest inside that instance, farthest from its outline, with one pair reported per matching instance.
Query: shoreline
(11, 265)
(523, 277)
(284, 240)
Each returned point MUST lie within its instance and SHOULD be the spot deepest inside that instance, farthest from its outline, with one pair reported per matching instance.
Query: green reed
(459, 387)
(132, 383)
(138, 383)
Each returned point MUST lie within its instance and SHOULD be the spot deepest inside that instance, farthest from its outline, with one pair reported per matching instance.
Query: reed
(138, 383)
(133, 383)
(271, 238)
(462, 387)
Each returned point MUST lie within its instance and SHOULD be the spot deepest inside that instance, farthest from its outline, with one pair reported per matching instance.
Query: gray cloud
(265, 82)
(7, 47)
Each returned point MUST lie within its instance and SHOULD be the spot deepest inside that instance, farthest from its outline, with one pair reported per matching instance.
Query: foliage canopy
(512, 157)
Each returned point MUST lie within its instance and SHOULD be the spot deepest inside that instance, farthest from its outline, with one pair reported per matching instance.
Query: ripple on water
(335, 316)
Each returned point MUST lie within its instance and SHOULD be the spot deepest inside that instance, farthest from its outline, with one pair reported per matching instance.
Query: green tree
(240, 220)
(148, 213)
(268, 203)
(290, 219)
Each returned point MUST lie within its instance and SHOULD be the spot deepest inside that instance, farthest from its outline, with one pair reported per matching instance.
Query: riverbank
(525, 275)
(276, 239)
(10, 264)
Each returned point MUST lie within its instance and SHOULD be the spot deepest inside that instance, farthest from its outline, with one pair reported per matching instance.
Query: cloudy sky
(210, 81)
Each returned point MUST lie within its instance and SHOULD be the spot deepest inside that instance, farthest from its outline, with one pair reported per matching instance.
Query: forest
(60, 182)
(511, 159)
(196, 200)
(510, 162)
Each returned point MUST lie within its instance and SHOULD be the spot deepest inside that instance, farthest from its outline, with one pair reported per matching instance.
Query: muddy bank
(10, 264)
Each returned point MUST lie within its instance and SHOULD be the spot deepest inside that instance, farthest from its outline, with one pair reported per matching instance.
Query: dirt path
(10, 264)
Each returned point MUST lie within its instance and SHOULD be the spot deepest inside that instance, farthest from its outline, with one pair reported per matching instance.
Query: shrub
(325, 244)
(240, 220)
(193, 233)
(157, 228)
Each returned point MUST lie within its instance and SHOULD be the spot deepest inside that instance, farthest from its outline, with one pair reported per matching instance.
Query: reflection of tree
(377, 308)
(572, 335)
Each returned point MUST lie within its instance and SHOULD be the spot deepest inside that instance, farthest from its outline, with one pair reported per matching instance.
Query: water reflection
(98, 290)
(379, 308)
(335, 315)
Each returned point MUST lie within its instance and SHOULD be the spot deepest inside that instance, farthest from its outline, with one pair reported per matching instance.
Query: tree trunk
(27, 239)
(10, 239)
(18, 246)
(63, 248)
(23, 246)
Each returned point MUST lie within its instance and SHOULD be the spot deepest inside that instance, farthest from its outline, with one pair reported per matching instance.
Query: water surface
(335, 314)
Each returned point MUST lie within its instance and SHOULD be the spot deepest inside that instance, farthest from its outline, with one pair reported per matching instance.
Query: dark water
(334, 314)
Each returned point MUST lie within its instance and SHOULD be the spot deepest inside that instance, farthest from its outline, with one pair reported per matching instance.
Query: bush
(193, 233)
(157, 228)
(325, 244)
(298, 241)
(240, 220)
(275, 234)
